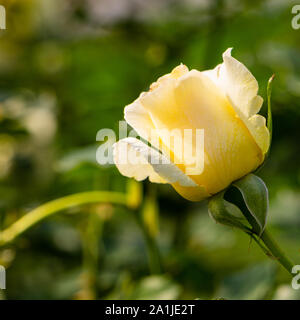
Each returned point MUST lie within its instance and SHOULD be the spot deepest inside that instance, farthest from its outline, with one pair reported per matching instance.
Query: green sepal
(269, 120)
(255, 195)
(226, 213)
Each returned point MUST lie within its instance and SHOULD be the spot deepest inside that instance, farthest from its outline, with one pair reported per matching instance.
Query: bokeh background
(67, 69)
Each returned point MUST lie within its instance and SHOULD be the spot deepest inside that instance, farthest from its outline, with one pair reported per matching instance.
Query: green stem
(152, 248)
(91, 233)
(153, 255)
(49, 208)
(276, 252)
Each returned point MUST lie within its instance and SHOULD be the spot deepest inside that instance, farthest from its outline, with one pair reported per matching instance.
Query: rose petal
(135, 159)
(241, 88)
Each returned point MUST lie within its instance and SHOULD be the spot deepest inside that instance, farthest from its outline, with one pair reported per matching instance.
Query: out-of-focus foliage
(67, 69)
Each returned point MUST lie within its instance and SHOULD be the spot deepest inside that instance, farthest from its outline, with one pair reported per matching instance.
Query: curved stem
(276, 251)
(45, 210)
(33, 217)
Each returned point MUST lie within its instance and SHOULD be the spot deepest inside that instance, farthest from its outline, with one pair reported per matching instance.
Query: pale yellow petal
(241, 88)
(176, 73)
(139, 118)
(260, 131)
(135, 159)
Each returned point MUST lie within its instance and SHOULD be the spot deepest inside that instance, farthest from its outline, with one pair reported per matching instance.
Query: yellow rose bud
(223, 102)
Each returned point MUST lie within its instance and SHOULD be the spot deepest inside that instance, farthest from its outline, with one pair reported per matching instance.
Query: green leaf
(76, 157)
(255, 195)
(226, 213)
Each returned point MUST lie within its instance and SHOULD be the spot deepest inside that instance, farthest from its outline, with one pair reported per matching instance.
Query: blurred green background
(67, 69)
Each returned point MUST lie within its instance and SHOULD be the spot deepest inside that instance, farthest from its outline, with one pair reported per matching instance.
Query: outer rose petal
(159, 169)
(241, 88)
(138, 117)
